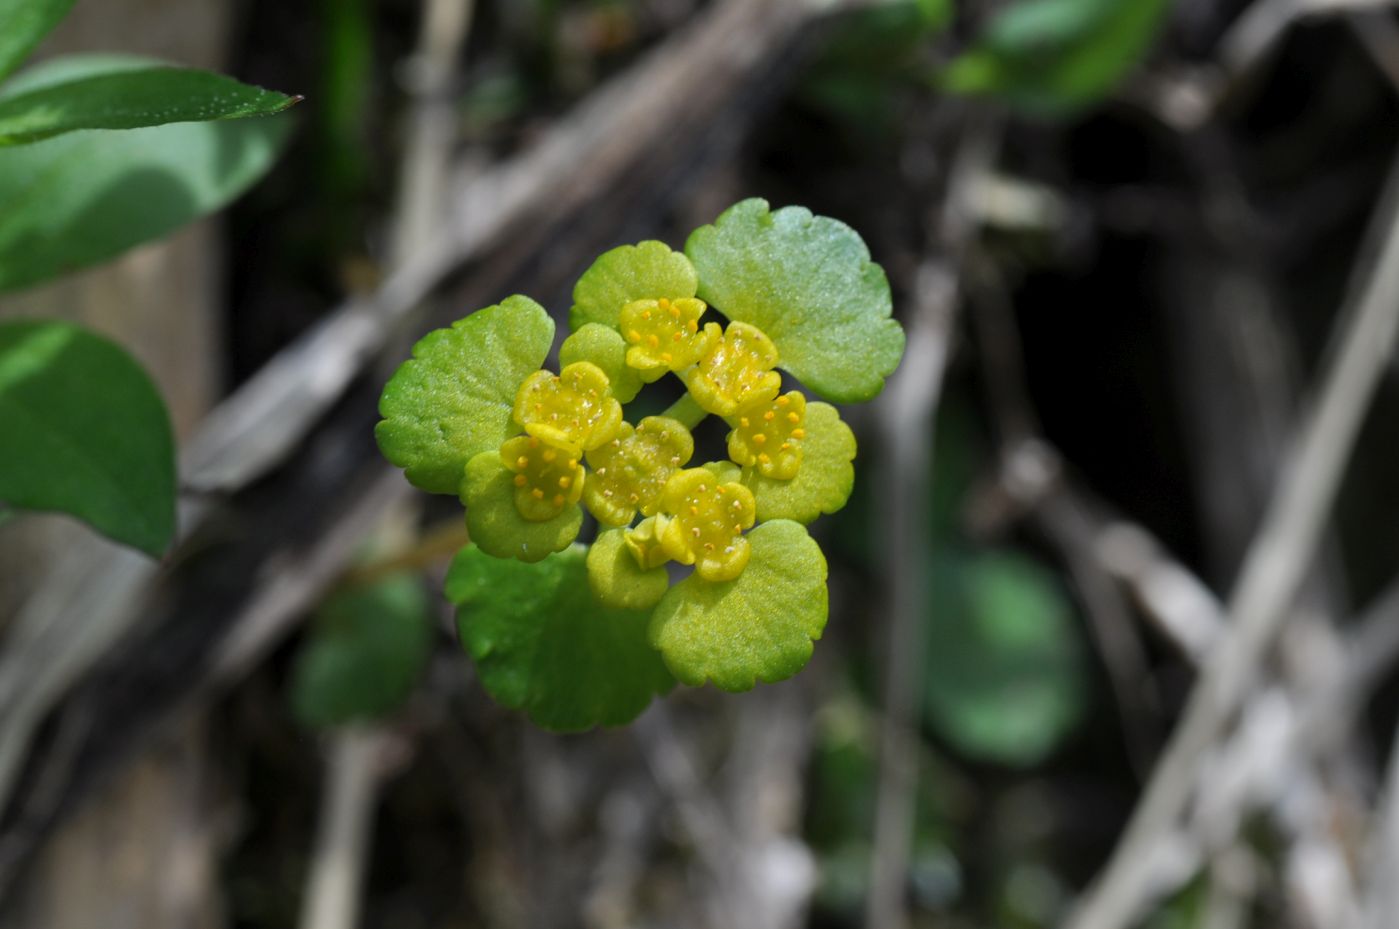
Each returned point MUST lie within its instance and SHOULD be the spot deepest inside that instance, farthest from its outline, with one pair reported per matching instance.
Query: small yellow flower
(630, 471)
(736, 370)
(547, 477)
(644, 542)
(573, 410)
(768, 435)
(706, 524)
(665, 335)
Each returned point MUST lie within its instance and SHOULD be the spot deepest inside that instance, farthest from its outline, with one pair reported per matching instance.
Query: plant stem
(687, 411)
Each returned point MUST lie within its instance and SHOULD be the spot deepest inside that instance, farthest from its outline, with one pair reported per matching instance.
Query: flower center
(735, 370)
(768, 435)
(665, 334)
(644, 542)
(547, 477)
(573, 410)
(630, 471)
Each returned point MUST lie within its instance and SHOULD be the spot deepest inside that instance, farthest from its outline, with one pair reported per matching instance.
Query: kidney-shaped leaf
(23, 24)
(453, 399)
(808, 282)
(543, 644)
(366, 651)
(757, 627)
(131, 99)
(83, 431)
(84, 197)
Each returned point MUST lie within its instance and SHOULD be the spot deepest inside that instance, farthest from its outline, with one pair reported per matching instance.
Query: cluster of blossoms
(475, 413)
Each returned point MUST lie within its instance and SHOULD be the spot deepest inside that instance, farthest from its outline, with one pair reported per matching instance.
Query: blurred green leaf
(84, 197)
(1004, 675)
(132, 100)
(876, 54)
(365, 653)
(23, 25)
(343, 103)
(1053, 57)
(543, 643)
(83, 431)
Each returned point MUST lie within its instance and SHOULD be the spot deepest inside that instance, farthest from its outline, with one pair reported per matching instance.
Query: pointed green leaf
(83, 431)
(617, 580)
(607, 349)
(453, 399)
(808, 282)
(1004, 679)
(366, 651)
(85, 197)
(758, 627)
(826, 477)
(543, 644)
(23, 25)
(494, 522)
(648, 271)
(131, 100)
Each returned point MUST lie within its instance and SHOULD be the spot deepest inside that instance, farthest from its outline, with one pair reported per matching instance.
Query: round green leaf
(618, 580)
(1004, 678)
(365, 653)
(607, 349)
(808, 282)
(543, 644)
(648, 271)
(84, 197)
(757, 627)
(453, 399)
(83, 431)
(134, 99)
(825, 479)
(495, 523)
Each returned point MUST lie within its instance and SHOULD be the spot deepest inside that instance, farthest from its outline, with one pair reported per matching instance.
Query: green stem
(687, 411)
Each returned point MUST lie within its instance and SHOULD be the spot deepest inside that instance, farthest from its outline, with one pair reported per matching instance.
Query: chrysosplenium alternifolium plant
(580, 635)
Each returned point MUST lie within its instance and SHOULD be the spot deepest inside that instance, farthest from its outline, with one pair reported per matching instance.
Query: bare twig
(906, 428)
(1275, 566)
(353, 772)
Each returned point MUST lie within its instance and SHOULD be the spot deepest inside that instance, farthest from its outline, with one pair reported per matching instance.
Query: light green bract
(824, 482)
(809, 284)
(758, 627)
(606, 348)
(543, 644)
(617, 580)
(453, 399)
(581, 635)
(648, 271)
(495, 522)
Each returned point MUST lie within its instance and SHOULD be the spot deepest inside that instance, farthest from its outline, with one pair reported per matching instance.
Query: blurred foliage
(346, 79)
(365, 653)
(83, 431)
(871, 60)
(1004, 674)
(1052, 58)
